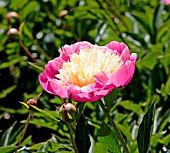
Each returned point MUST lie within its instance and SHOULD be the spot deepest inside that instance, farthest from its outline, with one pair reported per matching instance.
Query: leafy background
(43, 28)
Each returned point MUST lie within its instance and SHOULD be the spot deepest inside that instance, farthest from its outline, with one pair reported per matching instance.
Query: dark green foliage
(145, 130)
(82, 138)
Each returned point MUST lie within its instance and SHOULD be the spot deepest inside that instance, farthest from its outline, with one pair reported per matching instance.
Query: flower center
(82, 67)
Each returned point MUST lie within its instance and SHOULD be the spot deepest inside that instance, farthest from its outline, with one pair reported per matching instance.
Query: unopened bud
(63, 13)
(32, 102)
(67, 111)
(12, 15)
(12, 31)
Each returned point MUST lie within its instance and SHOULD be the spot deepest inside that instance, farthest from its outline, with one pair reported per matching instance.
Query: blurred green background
(46, 25)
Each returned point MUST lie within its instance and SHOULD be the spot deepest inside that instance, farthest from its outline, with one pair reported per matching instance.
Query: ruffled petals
(104, 82)
(114, 45)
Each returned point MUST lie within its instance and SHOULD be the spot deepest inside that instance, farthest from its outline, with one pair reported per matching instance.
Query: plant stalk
(112, 123)
(72, 138)
(23, 132)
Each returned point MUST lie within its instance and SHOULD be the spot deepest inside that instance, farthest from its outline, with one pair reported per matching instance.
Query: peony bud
(32, 102)
(12, 31)
(67, 111)
(13, 34)
(12, 15)
(63, 13)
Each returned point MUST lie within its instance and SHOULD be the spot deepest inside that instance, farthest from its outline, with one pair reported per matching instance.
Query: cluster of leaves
(44, 26)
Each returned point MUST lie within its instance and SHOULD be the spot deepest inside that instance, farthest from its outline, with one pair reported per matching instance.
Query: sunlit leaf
(99, 148)
(108, 138)
(25, 104)
(45, 113)
(43, 123)
(12, 62)
(129, 105)
(125, 131)
(5, 92)
(149, 60)
(165, 140)
(29, 8)
(7, 149)
(36, 67)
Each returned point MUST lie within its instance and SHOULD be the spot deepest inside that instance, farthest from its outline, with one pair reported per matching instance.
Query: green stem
(26, 50)
(23, 132)
(112, 123)
(72, 138)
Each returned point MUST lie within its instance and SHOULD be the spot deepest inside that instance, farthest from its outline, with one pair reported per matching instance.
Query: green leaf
(145, 130)
(36, 67)
(155, 138)
(99, 148)
(15, 5)
(37, 146)
(44, 123)
(165, 140)
(28, 9)
(25, 104)
(149, 60)
(14, 111)
(157, 20)
(138, 38)
(162, 31)
(129, 105)
(141, 17)
(27, 140)
(134, 147)
(7, 91)
(6, 136)
(82, 138)
(125, 131)
(109, 99)
(8, 149)
(11, 62)
(108, 138)
(21, 29)
(45, 113)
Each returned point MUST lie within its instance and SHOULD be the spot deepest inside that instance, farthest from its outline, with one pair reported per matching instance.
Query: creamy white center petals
(82, 67)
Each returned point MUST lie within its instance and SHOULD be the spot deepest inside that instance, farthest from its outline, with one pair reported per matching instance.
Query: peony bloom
(166, 2)
(87, 72)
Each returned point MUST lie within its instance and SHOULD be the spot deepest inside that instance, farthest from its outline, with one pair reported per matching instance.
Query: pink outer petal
(75, 48)
(124, 75)
(85, 94)
(114, 45)
(53, 87)
(125, 55)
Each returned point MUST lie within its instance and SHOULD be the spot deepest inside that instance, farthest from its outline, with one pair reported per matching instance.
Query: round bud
(32, 102)
(12, 15)
(12, 31)
(63, 13)
(67, 111)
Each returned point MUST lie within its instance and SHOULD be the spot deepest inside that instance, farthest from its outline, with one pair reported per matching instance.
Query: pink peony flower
(87, 72)
(166, 2)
